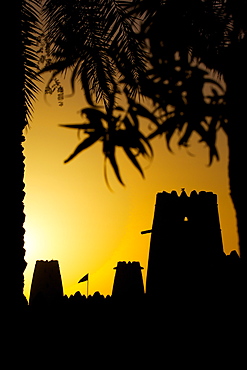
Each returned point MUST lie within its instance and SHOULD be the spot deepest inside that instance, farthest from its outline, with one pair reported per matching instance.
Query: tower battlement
(46, 282)
(186, 229)
(128, 280)
(184, 199)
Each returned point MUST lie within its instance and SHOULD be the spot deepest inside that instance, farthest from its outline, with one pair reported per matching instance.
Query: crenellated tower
(128, 282)
(185, 236)
(46, 283)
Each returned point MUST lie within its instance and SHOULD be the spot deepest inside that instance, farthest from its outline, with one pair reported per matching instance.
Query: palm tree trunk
(14, 218)
(13, 166)
(237, 177)
(236, 80)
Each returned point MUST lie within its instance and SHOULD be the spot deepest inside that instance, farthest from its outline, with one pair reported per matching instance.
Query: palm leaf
(96, 40)
(84, 145)
(110, 155)
(79, 126)
(146, 141)
(30, 34)
(94, 115)
(85, 85)
(138, 109)
(133, 159)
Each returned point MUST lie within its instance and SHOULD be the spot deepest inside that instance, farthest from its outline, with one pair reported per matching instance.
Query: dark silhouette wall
(46, 283)
(128, 280)
(185, 237)
(195, 301)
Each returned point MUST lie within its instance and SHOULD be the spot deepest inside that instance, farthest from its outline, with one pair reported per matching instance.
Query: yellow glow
(71, 215)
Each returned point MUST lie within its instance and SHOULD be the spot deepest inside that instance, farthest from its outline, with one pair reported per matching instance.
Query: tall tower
(128, 281)
(185, 236)
(46, 282)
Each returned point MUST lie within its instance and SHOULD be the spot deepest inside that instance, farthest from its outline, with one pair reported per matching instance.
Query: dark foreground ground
(199, 324)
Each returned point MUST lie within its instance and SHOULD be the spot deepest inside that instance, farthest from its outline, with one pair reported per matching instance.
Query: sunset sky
(72, 216)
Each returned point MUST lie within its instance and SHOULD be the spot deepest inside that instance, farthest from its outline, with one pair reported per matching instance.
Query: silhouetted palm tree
(212, 32)
(125, 133)
(78, 34)
(21, 80)
(96, 39)
(177, 101)
(101, 43)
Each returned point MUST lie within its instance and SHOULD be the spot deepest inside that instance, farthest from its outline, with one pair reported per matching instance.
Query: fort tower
(186, 235)
(46, 282)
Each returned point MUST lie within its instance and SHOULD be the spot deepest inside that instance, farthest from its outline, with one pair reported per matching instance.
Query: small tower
(128, 281)
(46, 283)
(185, 235)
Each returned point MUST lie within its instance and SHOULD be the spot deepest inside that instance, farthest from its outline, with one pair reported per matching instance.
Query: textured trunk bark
(14, 218)
(237, 168)
(13, 165)
(236, 80)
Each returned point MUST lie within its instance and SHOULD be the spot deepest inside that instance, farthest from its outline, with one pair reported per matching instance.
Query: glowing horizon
(72, 217)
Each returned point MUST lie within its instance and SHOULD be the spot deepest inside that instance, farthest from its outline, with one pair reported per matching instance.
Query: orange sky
(71, 215)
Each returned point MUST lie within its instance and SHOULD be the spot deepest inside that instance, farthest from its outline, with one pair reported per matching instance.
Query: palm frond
(109, 152)
(118, 131)
(30, 34)
(96, 40)
(86, 143)
(206, 29)
(133, 159)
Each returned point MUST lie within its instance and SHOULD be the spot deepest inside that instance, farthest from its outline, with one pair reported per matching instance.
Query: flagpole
(87, 286)
(85, 278)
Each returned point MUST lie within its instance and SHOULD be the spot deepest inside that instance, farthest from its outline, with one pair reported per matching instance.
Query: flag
(84, 278)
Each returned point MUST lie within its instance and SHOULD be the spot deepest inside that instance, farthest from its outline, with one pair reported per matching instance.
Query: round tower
(128, 280)
(46, 283)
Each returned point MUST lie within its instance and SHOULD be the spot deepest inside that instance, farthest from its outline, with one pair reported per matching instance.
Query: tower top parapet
(46, 281)
(128, 280)
(177, 243)
(194, 195)
(124, 264)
